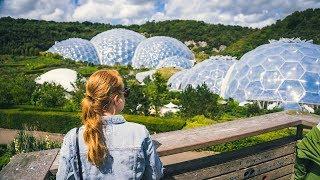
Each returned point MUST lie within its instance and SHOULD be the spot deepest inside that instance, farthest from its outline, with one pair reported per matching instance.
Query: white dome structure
(152, 51)
(176, 62)
(143, 75)
(62, 76)
(284, 71)
(116, 46)
(76, 49)
(210, 72)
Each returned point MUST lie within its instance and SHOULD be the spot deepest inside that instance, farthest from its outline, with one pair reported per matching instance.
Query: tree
(6, 99)
(49, 95)
(137, 102)
(21, 89)
(156, 91)
(199, 101)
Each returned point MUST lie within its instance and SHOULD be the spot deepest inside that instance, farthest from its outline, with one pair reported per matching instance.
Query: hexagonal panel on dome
(291, 91)
(176, 62)
(76, 49)
(116, 46)
(291, 70)
(289, 74)
(210, 72)
(151, 51)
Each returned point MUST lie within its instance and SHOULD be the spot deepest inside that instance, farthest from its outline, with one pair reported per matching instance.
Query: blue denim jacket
(132, 154)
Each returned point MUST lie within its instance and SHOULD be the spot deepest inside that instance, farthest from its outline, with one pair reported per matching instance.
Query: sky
(250, 13)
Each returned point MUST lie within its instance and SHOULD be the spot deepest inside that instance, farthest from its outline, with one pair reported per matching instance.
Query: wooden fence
(270, 160)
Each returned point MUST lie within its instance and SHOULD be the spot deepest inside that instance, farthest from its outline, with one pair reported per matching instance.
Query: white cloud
(255, 13)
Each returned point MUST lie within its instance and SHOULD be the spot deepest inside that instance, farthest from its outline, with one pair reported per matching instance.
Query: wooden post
(299, 132)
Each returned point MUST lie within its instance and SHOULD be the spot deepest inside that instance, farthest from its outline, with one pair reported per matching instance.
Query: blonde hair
(101, 88)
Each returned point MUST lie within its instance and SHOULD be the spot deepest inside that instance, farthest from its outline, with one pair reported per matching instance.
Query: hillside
(304, 24)
(29, 37)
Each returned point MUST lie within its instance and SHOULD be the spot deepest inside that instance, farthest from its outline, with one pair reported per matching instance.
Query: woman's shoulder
(71, 134)
(136, 128)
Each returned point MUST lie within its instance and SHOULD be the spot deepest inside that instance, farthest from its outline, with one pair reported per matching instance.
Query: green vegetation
(46, 108)
(29, 37)
(24, 142)
(62, 122)
(250, 141)
(302, 24)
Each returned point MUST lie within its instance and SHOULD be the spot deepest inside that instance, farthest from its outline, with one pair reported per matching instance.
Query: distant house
(169, 108)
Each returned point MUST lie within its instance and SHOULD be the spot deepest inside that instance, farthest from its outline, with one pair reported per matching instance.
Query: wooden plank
(280, 173)
(34, 165)
(286, 177)
(260, 168)
(232, 161)
(187, 140)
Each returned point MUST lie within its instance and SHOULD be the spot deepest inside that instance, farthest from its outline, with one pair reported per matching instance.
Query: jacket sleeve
(65, 166)
(154, 167)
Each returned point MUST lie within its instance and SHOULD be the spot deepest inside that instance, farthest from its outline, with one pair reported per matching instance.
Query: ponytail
(98, 93)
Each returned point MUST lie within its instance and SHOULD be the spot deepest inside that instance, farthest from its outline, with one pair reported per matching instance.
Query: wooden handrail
(186, 140)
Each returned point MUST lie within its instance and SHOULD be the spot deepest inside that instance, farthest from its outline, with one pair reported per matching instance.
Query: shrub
(250, 141)
(48, 95)
(198, 121)
(24, 143)
(58, 122)
(62, 122)
(157, 124)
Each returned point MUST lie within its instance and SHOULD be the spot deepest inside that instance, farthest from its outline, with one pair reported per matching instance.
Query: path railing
(272, 160)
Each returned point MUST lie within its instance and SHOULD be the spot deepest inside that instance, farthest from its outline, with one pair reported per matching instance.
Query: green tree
(137, 102)
(6, 99)
(22, 87)
(199, 101)
(49, 95)
(156, 91)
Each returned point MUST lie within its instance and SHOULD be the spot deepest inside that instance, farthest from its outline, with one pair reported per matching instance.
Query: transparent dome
(151, 51)
(116, 46)
(176, 62)
(76, 49)
(210, 72)
(284, 71)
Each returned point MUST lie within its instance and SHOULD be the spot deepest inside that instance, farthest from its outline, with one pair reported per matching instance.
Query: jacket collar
(114, 119)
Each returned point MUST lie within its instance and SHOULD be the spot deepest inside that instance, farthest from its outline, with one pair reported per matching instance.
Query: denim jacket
(132, 154)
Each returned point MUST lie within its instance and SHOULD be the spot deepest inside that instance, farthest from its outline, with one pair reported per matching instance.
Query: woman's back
(131, 155)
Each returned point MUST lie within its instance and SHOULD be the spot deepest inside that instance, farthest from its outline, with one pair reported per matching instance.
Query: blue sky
(252, 13)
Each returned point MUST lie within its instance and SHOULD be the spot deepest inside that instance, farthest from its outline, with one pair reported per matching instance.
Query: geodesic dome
(116, 46)
(151, 51)
(76, 49)
(285, 71)
(62, 76)
(210, 72)
(176, 62)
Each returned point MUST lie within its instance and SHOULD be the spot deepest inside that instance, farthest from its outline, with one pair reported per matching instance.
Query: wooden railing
(272, 159)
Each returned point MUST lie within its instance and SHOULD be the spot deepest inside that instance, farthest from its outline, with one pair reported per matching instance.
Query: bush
(57, 122)
(4, 160)
(62, 122)
(250, 141)
(24, 143)
(157, 124)
(198, 121)
(48, 95)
